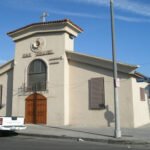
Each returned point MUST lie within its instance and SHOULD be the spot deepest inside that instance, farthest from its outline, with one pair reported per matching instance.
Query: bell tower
(48, 42)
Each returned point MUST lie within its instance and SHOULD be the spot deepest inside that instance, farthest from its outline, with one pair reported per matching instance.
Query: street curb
(109, 141)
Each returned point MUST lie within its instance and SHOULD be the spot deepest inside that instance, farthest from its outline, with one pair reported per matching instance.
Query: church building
(49, 83)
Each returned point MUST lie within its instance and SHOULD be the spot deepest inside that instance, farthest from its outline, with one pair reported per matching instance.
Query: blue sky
(132, 26)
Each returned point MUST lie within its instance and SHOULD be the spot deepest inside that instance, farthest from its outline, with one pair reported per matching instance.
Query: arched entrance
(36, 109)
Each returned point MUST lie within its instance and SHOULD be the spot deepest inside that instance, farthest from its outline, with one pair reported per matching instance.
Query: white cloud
(97, 2)
(131, 19)
(126, 5)
(85, 15)
(78, 14)
(134, 7)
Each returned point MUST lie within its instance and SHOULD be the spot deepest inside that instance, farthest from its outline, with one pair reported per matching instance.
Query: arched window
(37, 75)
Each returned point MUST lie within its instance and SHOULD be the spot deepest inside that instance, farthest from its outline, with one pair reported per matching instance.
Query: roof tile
(46, 23)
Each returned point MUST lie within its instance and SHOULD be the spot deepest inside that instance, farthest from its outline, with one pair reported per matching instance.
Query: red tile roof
(46, 23)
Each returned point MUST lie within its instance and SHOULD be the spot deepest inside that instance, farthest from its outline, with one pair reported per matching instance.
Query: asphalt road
(38, 143)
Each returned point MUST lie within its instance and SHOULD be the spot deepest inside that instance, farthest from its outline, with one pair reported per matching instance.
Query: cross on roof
(43, 17)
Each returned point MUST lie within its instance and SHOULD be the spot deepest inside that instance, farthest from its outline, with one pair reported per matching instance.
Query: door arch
(35, 109)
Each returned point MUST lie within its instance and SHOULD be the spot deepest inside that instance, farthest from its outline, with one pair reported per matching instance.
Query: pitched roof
(47, 23)
(141, 77)
(7, 66)
(100, 62)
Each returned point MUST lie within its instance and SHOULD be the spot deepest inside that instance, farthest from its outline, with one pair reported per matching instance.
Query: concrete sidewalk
(129, 136)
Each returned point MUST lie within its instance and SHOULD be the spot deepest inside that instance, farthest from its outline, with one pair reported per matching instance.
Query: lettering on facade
(54, 63)
(26, 55)
(41, 53)
(56, 58)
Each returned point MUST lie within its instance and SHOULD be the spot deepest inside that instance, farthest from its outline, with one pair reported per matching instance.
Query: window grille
(37, 76)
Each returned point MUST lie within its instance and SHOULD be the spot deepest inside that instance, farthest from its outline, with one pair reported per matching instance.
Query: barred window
(37, 75)
(96, 93)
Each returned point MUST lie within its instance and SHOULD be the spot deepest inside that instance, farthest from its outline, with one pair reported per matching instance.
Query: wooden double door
(36, 109)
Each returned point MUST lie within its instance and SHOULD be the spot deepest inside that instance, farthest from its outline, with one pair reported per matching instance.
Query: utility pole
(117, 131)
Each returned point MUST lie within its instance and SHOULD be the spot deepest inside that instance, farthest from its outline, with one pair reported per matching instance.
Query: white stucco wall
(3, 81)
(6, 80)
(57, 76)
(79, 101)
(141, 108)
